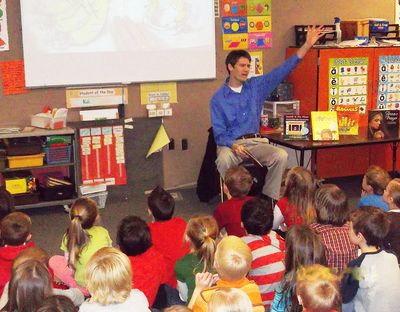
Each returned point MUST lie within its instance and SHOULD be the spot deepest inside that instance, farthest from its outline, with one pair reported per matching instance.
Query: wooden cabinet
(313, 86)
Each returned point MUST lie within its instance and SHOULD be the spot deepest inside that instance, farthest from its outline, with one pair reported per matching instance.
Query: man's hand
(239, 150)
(313, 34)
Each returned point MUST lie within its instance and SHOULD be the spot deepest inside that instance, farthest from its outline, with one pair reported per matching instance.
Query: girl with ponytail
(82, 239)
(201, 233)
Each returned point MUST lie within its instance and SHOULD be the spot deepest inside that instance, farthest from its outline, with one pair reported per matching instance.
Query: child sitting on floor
(148, 265)
(229, 300)
(232, 262)
(167, 232)
(295, 207)
(83, 238)
(392, 197)
(237, 185)
(201, 232)
(318, 289)
(373, 185)
(373, 283)
(333, 212)
(267, 248)
(15, 232)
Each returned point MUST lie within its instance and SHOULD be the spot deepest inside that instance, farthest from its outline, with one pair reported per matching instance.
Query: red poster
(13, 77)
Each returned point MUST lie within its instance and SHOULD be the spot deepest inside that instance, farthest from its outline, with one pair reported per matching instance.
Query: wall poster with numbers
(348, 82)
(389, 82)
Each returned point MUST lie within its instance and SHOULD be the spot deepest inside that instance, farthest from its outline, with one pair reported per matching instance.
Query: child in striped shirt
(267, 248)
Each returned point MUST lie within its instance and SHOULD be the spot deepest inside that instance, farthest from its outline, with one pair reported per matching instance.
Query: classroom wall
(190, 118)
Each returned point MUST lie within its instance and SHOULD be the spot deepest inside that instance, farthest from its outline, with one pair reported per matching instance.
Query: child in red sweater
(237, 185)
(148, 265)
(15, 231)
(167, 233)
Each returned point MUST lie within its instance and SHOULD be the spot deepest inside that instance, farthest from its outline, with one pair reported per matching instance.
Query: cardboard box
(48, 122)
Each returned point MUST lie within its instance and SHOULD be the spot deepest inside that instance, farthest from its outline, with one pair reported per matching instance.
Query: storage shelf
(38, 167)
(47, 204)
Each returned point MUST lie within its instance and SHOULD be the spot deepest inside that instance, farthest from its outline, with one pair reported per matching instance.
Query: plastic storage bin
(19, 182)
(25, 161)
(58, 154)
(100, 198)
(23, 146)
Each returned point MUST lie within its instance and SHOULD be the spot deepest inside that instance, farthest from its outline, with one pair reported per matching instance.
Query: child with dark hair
(57, 303)
(237, 185)
(6, 203)
(303, 247)
(392, 197)
(267, 248)
(148, 265)
(332, 209)
(295, 207)
(374, 280)
(167, 232)
(373, 185)
(15, 232)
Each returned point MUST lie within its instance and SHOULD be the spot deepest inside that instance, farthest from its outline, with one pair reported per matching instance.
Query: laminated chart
(389, 83)
(348, 82)
(246, 24)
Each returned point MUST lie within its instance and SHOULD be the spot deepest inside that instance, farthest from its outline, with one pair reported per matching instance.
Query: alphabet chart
(348, 82)
(389, 83)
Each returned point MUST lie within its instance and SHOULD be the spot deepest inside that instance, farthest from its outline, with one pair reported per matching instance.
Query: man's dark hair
(372, 223)
(233, 57)
(133, 236)
(257, 216)
(161, 204)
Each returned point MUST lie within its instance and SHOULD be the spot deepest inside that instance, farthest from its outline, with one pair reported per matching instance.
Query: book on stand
(348, 116)
(296, 127)
(383, 124)
(324, 126)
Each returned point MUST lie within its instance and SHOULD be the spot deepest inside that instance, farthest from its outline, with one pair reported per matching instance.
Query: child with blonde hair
(392, 197)
(295, 207)
(232, 261)
(373, 185)
(108, 277)
(318, 289)
(230, 300)
(83, 238)
(201, 233)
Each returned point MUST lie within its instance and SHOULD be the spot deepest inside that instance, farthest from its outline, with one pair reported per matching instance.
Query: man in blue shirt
(236, 112)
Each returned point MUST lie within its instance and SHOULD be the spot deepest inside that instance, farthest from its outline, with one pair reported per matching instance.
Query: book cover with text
(324, 126)
(348, 116)
(383, 124)
(296, 127)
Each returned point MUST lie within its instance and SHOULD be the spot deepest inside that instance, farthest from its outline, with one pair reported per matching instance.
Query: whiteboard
(81, 42)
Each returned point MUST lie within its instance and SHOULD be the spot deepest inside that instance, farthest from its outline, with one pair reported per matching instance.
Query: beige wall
(191, 116)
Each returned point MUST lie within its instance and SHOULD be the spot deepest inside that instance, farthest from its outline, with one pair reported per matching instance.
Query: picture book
(324, 126)
(383, 124)
(348, 116)
(296, 127)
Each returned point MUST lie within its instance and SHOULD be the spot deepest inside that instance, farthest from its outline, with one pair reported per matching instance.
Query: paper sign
(96, 97)
(13, 75)
(235, 41)
(256, 65)
(4, 44)
(161, 139)
(158, 93)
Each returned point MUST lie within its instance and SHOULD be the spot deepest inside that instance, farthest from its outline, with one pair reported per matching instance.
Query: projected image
(108, 25)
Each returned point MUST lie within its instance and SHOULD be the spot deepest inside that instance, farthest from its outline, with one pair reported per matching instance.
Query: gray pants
(274, 158)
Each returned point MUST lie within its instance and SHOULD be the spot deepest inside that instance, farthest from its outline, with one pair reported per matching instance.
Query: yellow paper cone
(160, 141)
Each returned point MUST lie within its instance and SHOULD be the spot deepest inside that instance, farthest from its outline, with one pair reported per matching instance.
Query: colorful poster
(4, 43)
(158, 93)
(13, 77)
(348, 82)
(96, 97)
(246, 31)
(102, 155)
(389, 83)
(256, 65)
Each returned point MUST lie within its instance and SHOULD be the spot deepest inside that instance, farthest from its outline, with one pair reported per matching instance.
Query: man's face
(240, 71)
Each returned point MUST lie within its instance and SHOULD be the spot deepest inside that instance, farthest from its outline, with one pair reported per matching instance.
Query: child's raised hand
(204, 280)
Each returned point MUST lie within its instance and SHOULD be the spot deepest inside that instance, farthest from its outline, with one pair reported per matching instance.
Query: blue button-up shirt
(235, 114)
